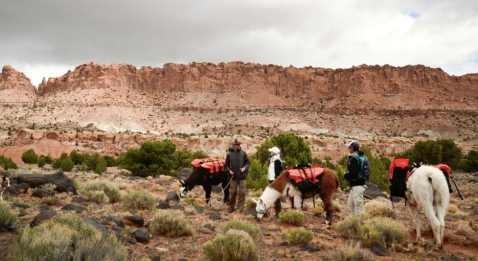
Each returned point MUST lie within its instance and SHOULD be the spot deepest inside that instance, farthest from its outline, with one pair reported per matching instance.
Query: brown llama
(282, 188)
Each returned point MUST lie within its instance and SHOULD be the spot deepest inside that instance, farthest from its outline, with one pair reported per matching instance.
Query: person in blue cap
(357, 184)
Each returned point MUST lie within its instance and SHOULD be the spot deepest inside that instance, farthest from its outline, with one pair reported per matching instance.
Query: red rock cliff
(307, 81)
(12, 79)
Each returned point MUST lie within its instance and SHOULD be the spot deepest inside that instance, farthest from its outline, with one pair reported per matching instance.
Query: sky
(49, 37)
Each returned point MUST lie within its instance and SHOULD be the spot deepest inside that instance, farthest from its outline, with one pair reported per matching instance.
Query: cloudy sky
(49, 37)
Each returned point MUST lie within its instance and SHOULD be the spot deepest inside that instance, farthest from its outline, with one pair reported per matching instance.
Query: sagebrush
(236, 245)
(171, 224)
(292, 217)
(253, 231)
(139, 200)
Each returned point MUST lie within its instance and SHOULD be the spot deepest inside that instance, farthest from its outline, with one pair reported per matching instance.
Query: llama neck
(270, 196)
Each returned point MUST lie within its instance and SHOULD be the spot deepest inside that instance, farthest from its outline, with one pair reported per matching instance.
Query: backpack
(446, 172)
(364, 167)
(283, 165)
(399, 171)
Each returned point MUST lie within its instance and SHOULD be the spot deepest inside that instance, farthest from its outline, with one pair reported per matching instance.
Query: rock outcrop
(12, 79)
(289, 81)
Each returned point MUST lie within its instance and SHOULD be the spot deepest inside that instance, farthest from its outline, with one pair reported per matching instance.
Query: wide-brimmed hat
(236, 142)
(274, 150)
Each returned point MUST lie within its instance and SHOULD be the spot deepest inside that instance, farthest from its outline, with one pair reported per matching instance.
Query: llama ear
(254, 200)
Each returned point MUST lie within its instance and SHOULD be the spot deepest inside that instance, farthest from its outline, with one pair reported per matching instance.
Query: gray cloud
(46, 38)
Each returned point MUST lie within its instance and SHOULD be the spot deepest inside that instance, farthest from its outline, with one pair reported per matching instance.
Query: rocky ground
(207, 221)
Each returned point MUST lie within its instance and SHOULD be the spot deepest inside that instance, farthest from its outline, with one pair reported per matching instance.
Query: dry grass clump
(464, 229)
(50, 201)
(98, 197)
(236, 245)
(125, 172)
(193, 202)
(7, 217)
(376, 208)
(319, 211)
(139, 200)
(298, 236)
(351, 252)
(53, 241)
(452, 209)
(171, 224)
(111, 192)
(373, 230)
(253, 231)
(216, 204)
(292, 217)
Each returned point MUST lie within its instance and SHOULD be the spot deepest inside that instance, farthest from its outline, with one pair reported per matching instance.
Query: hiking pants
(277, 204)
(355, 202)
(241, 183)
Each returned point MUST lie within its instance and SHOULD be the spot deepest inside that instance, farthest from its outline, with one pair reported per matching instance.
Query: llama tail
(440, 186)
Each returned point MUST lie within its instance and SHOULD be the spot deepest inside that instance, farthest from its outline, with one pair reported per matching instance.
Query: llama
(4, 185)
(202, 176)
(427, 187)
(282, 187)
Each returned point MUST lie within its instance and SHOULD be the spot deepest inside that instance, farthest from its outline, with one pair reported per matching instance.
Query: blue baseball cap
(353, 144)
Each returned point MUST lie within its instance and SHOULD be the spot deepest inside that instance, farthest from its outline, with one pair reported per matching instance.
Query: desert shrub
(7, 163)
(112, 193)
(30, 157)
(250, 204)
(256, 193)
(257, 177)
(298, 236)
(66, 164)
(351, 252)
(368, 235)
(7, 217)
(150, 159)
(191, 201)
(56, 164)
(77, 158)
(97, 196)
(101, 166)
(110, 161)
(464, 229)
(253, 231)
(452, 209)
(125, 172)
(388, 229)
(139, 200)
(294, 149)
(170, 224)
(92, 160)
(377, 208)
(292, 217)
(350, 225)
(41, 161)
(236, 245)
(83, 167)
(53, 241)
(318, 211)
(48, 160)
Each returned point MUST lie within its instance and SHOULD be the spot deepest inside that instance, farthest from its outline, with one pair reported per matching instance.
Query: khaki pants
(355, 202)
(242, 193)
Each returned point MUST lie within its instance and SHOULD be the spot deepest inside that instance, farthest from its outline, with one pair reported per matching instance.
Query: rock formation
(289, 81)
(12, 79)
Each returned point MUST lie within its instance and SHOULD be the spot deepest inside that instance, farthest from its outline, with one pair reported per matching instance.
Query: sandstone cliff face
(289, 81)
(12, 79)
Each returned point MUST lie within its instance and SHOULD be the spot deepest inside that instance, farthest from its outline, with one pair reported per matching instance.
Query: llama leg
(428, 207)
(1, 196)
(441, 211)
(298, 201)
(329, 209)
(416, 221)
(208, 190)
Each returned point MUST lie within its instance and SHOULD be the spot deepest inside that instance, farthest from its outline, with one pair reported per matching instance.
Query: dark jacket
(353, 169)
(235, 160)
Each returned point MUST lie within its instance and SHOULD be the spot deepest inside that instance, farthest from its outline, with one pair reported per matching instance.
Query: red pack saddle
(214, 165)
(311, 174)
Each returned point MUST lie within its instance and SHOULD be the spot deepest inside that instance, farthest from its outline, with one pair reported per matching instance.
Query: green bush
(7, 163)
(471, 161)
(92, 160)
(76, 157)
(253, 231)
(292, 217)
(350, 225)
(48, 160)
(101, 166)
(30, 157)
(112, 193)
(294, 149)
(236, 245)
(298, 236)
(41, 161)
(139, 200)
(83, 167)
(110, 161)
(56, 164)
(53, 241)
(170, 224)
(7, 217)
(151, 158)
(66, 164)
(257, 177)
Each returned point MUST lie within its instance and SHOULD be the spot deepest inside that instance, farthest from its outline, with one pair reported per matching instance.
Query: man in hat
(275, 169)
(237, 164)
(357, 184)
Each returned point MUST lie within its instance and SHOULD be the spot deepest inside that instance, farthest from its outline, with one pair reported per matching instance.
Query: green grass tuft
(298, 236)
(139, 200)
(170, 224)
(253, 231)
(236, 245)
(292, 217)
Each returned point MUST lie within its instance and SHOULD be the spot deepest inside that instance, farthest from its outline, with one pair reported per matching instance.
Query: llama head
(261, 207)
(183, 190)
(5, 182)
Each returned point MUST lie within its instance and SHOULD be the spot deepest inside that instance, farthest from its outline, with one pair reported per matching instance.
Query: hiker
(237, 165)
(357, 184)
(275, 169)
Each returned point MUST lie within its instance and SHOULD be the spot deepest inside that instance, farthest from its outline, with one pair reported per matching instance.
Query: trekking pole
(456, 188)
